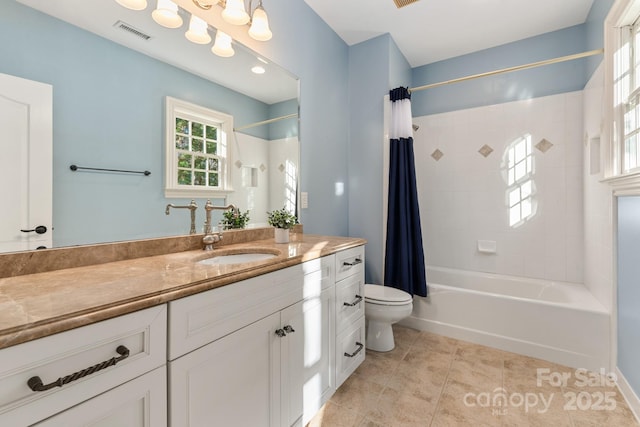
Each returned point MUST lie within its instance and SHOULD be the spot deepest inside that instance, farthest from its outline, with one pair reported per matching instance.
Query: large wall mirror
(111, 70)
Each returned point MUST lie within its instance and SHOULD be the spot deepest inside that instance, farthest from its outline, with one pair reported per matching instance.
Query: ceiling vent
(403, 3)
(128, 28)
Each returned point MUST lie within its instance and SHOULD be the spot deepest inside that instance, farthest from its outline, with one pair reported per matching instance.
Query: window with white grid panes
(627, 96)
(520, 181)
(198, 156)
(290, 187)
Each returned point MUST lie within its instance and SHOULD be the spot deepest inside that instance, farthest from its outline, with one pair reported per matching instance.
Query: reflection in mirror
(109, 90)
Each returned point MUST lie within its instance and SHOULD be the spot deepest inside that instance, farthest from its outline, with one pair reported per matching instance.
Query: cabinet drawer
(350, 351)
(59, 356)
(141, 402)
(349, 263)
(328, 272)
(318, 276)
(349, 301)
(199, 319)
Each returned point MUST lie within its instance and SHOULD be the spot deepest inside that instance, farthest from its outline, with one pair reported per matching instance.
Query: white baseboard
(629, 395)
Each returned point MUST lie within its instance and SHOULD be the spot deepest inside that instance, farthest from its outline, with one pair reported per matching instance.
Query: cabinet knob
(351, 264)
(281, 333)
(288, 329)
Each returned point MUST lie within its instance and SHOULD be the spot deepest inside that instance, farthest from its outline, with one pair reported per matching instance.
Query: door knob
(41, 229)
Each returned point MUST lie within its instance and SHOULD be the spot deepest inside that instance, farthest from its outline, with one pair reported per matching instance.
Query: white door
(26, 117)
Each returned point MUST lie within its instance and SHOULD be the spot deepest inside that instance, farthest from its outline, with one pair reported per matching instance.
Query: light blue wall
(306, 46)
(595, 32)
(287, 127)
(629, 289)
(400, 73)
(109, 113)
(541, 81)
(375, 66)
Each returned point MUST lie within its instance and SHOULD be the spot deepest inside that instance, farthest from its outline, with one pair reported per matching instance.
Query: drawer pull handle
(355, 302)
(351, 264)
(281, 333)
(360, 347)
(288, 329)
(35, 383)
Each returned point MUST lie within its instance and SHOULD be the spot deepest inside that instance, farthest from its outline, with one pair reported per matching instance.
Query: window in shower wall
(627, 96)
(519, 177)
(626, 99)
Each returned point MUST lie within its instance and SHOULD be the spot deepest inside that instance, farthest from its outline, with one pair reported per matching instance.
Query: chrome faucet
(209, 236)
(192, 207)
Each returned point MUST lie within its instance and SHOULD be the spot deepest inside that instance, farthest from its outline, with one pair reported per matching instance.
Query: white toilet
(384, 306)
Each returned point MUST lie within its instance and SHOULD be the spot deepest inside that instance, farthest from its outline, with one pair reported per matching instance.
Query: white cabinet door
(319, 352)
(234, 381)
(141, 402)
(292, 322)
(26, 120)
(308, 352)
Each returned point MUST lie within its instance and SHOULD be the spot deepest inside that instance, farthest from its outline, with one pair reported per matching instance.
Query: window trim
(173, 108)
(622, 13)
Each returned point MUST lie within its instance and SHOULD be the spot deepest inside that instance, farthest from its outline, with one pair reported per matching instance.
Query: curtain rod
(264, 122)
(511, 69)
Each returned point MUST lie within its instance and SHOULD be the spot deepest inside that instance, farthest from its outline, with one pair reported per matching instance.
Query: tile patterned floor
(435, 381)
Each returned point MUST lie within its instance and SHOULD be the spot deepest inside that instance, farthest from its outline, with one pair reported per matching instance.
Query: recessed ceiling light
(258, 69)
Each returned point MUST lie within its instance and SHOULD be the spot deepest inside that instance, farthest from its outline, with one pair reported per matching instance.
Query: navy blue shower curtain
(404, 256)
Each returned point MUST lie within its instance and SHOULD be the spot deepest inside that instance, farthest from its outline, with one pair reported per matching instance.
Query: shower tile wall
(464, 196)
(598, 198)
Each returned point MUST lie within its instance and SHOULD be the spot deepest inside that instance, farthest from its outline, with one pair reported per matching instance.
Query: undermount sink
(237, 258)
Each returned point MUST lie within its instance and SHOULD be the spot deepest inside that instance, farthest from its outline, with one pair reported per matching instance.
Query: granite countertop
(36, 305)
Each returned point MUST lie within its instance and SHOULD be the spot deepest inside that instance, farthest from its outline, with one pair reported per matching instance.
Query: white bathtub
(556, 321)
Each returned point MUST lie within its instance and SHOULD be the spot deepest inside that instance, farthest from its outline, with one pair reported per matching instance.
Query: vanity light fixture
(198, 31)
(260, 25)
(133, 4)
(166, 14)
(205, 4)
(222, 45)
(235, 13)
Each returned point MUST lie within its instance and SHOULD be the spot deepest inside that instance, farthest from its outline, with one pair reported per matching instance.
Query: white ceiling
(432, 30)
(171, 46)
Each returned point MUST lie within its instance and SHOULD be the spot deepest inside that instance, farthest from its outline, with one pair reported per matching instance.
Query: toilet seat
(385, 295)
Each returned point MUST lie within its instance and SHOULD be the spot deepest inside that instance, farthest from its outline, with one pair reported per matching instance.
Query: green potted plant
(234, 219)
(283, 221)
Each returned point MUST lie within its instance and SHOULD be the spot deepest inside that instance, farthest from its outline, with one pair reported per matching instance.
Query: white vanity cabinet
(350, 323)
(265, 351)
(110, 371)
(256, 353)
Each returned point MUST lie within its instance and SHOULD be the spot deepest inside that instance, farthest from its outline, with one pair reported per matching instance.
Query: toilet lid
(378, 294)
